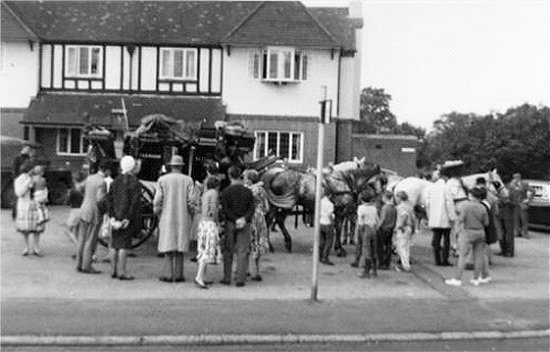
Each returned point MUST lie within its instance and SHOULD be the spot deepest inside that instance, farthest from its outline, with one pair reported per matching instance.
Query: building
(394, 152)
(260, 63)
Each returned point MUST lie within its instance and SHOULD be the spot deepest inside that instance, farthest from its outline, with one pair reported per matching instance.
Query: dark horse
(344, 189)
(287, 188)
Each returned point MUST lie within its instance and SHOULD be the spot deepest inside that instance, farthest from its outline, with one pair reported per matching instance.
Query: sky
(465, 56)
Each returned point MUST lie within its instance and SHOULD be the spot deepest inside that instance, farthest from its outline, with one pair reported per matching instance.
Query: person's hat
(127, 164)
(452, 163)
(176, 160)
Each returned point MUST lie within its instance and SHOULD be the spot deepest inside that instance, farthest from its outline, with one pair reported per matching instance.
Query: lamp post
(323, 119)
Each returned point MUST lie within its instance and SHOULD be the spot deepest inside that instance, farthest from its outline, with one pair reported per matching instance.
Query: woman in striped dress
(27, 220)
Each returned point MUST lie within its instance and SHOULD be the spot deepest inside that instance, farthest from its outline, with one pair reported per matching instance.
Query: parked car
(539, 207)
(59, 180)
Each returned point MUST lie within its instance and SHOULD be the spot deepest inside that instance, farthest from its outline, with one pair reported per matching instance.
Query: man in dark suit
(95, 189)
(520, 195)
(237, 208)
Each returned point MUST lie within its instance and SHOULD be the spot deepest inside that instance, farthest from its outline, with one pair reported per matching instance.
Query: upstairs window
(84, 61)
(278, 64)
(287, 145)
(178, 64)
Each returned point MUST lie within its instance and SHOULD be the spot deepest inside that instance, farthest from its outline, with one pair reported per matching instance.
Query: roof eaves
(20, 21)
(225, 37)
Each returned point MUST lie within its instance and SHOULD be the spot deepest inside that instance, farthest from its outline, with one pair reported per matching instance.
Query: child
(384, 234)
(75, 201)
(367, 222)
(208, 231)
(326, 221)
(40, 193)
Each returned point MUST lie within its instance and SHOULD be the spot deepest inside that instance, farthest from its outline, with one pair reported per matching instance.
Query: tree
(516, 141)
(375, 115)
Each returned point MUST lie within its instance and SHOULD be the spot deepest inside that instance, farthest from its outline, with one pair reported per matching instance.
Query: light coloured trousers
(471, 240)
(403, 240)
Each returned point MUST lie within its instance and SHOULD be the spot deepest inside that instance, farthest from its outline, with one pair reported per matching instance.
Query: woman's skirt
(208, 241)
(259, 244)
(27, 219)
(122, 239)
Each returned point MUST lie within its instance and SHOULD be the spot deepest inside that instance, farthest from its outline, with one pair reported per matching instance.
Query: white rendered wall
(19, 74)
(248, 96)
(112, 66)
(349, 88)
(149, 68)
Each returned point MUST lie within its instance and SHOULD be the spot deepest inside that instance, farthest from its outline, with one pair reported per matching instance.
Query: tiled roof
(71, 109)
(281, 23)
(155, 22)
(185, 22)
(13, 28)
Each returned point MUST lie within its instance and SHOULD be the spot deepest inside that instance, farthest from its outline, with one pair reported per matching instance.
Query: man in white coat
(173, 201)
(441, 216)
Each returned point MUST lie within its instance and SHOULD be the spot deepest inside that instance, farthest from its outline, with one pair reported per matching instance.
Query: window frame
(77, 73)
(171, 76)
(68, 152)
(259, 61)
(290, 134)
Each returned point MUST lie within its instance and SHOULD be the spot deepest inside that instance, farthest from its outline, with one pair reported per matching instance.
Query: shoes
(485, 280)
(201, 285)
(79, 269)
(446, 264)
(73, 256)
(239, 284)
(208, 282)
(165, 279)
(180, 279)
(256, 278)
(474, 282)
(364, 275)
(126, 277)
(91, 271)
(132, 255)
(355, 264)
(225, 282)
(453, 282)
(37, 253)
(114, 275)
(194, 259)
(327, 262)
(25, 252)
(469, 266)
(384, 267)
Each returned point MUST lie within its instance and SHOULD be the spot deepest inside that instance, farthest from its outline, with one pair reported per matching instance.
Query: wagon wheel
(149, 221)
(148, 218)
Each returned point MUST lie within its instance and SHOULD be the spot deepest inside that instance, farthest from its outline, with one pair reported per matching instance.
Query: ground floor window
(70, 141)
(287, 145)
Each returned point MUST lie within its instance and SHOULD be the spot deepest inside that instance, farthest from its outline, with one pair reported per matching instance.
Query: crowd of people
(220, 225)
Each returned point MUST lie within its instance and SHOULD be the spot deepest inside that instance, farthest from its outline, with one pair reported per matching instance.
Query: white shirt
(367, 214)
(327, 211)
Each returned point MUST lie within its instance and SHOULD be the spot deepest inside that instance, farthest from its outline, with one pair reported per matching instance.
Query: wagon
(155, 141)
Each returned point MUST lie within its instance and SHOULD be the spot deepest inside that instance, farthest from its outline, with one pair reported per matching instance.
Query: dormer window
(278, 64)
(178, 64)
(84, 61)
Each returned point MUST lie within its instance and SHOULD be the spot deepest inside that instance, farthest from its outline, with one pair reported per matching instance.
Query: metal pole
(317, 228)
(190, 161)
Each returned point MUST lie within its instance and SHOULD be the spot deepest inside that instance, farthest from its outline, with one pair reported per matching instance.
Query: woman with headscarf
(125, 213)
(259, 241)
(27, 219)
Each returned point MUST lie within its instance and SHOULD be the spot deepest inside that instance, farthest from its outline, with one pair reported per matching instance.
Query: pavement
(46, 301)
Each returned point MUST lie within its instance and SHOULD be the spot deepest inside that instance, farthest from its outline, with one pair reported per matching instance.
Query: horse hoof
(288, 247)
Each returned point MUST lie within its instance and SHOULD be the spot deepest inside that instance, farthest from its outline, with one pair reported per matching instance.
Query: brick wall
(307, 125)
(397, 153)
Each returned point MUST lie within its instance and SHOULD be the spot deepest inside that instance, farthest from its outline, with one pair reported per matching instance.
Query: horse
(344, 188)
(287, 188)
(417, 189)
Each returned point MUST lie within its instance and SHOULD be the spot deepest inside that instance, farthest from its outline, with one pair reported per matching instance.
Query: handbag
(106, 230)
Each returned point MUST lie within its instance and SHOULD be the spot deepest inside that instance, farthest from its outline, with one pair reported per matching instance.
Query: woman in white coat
(441, 215)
